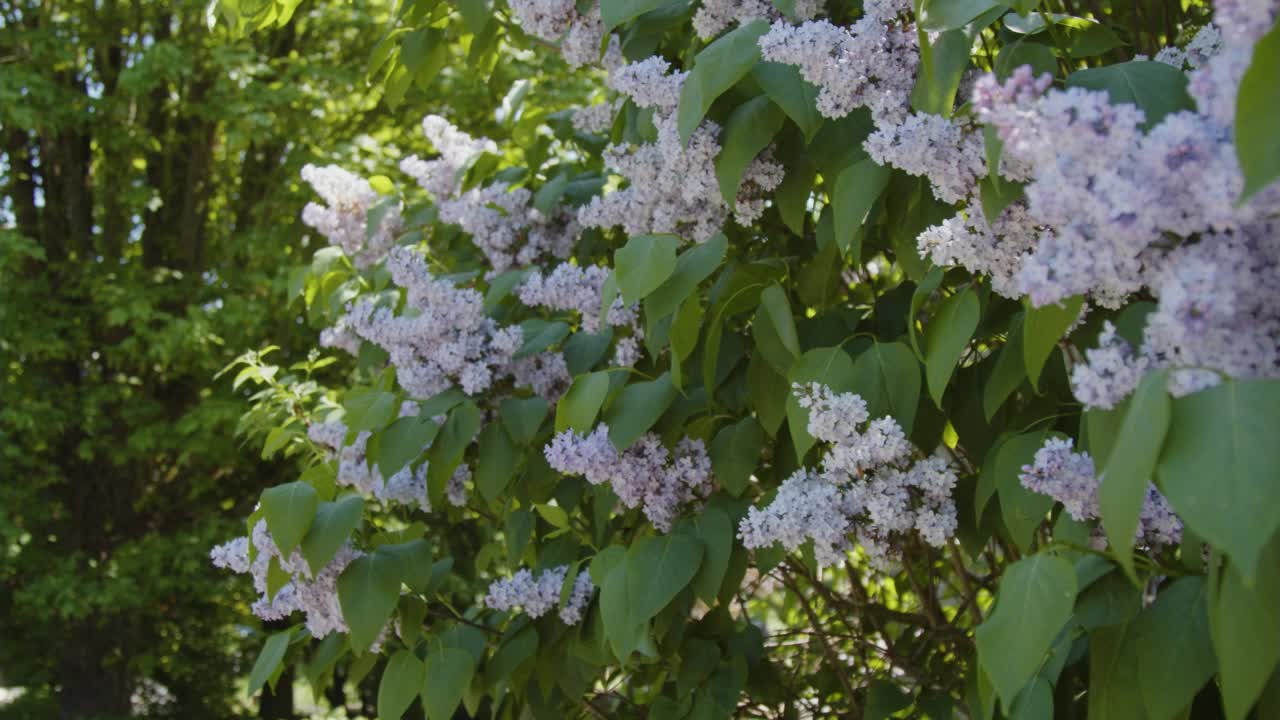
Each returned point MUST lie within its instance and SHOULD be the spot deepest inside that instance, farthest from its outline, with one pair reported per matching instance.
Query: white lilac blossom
(442, 338)
(545, 373)
(537, 595)
(1244, 22)
(869, 64)
(574, 288)
(943, 150)
(1111, 371)
(455, 491)
(716, 16)
(442, 177)
(581, 44)
(873, 485)
(408, 486)
(495, 217)
(672, 185)
(344, 221)
(545, 19)
(646, 475)
(996, 249)
(1070, 478)
(313, 594)
(886, 11)
(595, 119)
(1206, 44)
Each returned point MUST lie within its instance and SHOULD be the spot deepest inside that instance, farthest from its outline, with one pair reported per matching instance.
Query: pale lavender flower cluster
(646, 475)
(950, 155)
(872, 482)
(995, 249)
(869, 64)
(443, 337)
(715, 16)
(1244, 22)
(313, 594)
(545, 373)
(536, 595)
(1206, 44)
(1070, 478)
(574, 288)
(672, 186)
(502, 222)
(344, 221)
(405, 487)
(595, 119)
(581, 43)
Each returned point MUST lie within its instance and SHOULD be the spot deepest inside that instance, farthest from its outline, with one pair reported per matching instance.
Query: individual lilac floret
(646, 475)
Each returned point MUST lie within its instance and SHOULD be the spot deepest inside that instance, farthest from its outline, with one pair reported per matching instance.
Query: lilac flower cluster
(672, 185)
(574, 288)
(344, 221)
(869, 64)
(872, 482)
(443, 336)
(314, 595)
(1069, 478)
(950, 155)
(646, 475)
(535, 596)
(715, 16)
(442, 177)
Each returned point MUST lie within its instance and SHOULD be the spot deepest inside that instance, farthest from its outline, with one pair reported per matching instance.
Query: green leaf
(625, 634)
(1257, 106)
(884, 699)
(1096, 39)
(523, 416)
(289, 510)
(887, 376)
(497, 461)
(578, 408)
(749, 129)
(831, 367)
(797, 97)
(636, 408)
(715, 531)
(1244, 624)
(1226, 433)
(998, 194)
(446, 452)
(367, 592)
(856, 190)
(1158, 89)
(1114, 691)
(1131, 465)
(946, 335)
(401, 682)
(369, 409)
(1008, 373)
(545, 200)
(1022, 509)
(1175, 652)
(775, 331)
(938, 15)
(923, 291)
(768, 392)
(643, 264)
(617, 12)
(270, 657)
(940, 71)
(448, 675)
(404, 441)
(475, 14)
(658, 568)
(333, 524)
(692, 267)
(1036, 597)
(1034, 702)
(1042, 328)
(716, 69)
(1024, 52)
(540, 334)
(793, 195)
(735, 453)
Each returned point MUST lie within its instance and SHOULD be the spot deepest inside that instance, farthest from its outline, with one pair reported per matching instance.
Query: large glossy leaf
(716, 69)
(938, 15)
(367, 593)
(1042, 328)
(658, 568)
(887, 376)
(289, 510)
(497, 461)
(447, 677)
(1244, 623)
(1257, 107)
(940, 71)
(1036, 597)
(1131, 465)
(404, 441)
(946, 335)
(1227, 434)
(1175, 652)
(617, 12)
(714, 530)
(636, 408)
(269, 659)
(1158, 89)
(333, 524)
(774, 329)
(578, 407)
(692, 267)
(856, 190)
(446, 452)
(1022, 509)
(523, 416)
(749, 129)
(401, 682)
(1114, 690)
(735, 453)
(797, 97)
(643, 264)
